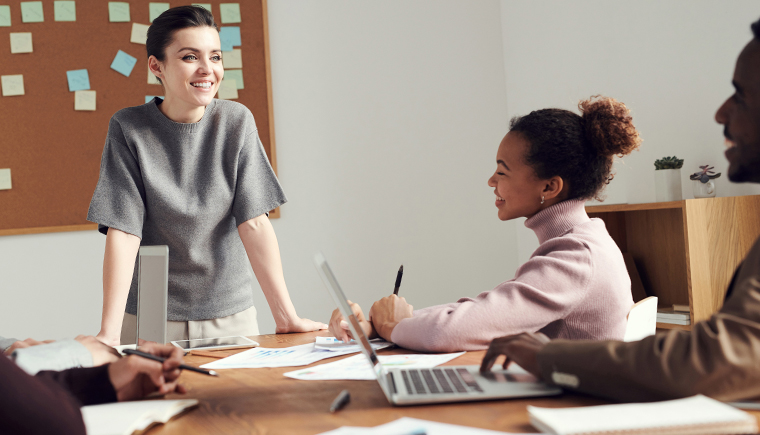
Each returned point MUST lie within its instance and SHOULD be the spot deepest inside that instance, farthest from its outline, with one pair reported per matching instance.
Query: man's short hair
(756, 29)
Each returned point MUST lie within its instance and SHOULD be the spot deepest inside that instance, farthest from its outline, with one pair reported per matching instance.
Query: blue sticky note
(65, 10)
(5, 16)
(79, 80)
(156, 9)
(123, 63)
(229, 37)
(31, 12)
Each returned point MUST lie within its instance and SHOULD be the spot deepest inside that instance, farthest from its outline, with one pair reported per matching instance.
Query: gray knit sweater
(188, 186)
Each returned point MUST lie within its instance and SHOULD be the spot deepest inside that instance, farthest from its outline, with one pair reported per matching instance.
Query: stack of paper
(669, 315)
(693, 415)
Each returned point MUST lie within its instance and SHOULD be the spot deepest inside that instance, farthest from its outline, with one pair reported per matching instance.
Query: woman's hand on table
(339, 326)
(300, 325)
(522, 349)
(101, 354)
(29, 342)
(134, 377)
(386, 313)
(109, 340)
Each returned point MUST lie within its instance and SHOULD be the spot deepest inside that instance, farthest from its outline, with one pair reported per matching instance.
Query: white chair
(642, 319)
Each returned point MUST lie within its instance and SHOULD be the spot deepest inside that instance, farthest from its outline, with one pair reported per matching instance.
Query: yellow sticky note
(139, 33)
(232, 59)
(152, 79)
(118, 12)
(21, 42)
(5, 179)
(227, 90)
(230, 12)
(84, 100)
(12, 85)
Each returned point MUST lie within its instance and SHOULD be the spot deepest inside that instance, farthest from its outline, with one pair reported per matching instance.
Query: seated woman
(575, 285)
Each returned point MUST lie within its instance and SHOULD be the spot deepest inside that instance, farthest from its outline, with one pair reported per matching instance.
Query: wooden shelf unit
(685, 251)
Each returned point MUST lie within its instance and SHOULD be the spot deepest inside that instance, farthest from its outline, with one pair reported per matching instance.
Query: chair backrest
(642, 319)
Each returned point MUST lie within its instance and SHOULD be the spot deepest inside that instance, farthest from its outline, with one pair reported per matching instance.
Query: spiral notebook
(693, 415)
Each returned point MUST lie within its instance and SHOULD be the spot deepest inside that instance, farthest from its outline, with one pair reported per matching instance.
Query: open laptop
(439, 384)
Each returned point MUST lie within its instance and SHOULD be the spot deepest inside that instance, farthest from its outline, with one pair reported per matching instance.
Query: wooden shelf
(685, 251)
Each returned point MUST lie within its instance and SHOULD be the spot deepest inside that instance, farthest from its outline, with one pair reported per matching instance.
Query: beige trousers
(242, 323)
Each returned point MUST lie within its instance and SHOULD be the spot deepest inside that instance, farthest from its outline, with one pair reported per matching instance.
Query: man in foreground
(719, 357)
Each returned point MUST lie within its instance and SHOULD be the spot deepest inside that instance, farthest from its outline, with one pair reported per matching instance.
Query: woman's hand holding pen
(339, 325)
(386, 313)
(134, 377)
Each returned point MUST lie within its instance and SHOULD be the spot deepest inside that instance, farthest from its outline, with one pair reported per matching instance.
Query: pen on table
(398, 279)
(340, 401)
(162, 359)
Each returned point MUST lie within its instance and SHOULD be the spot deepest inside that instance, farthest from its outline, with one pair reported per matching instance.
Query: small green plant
(668, 163)
(706, 174)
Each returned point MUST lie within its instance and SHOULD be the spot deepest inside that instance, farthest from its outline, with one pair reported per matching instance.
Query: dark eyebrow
(738, 88)
(503, 164)
(195, 50)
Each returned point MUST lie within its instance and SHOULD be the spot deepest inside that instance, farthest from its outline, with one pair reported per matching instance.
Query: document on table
(332, 343)
(358, 368)
(407, 425)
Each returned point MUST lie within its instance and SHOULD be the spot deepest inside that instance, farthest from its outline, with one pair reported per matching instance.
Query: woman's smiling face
(192, 68)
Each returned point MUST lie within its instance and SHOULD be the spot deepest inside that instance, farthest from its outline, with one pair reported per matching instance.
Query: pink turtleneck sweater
(575, 286)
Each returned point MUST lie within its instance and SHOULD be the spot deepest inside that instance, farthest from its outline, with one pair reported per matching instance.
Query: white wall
(387, 116)
(671, 62)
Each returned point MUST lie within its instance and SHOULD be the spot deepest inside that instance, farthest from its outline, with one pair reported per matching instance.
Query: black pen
(162, 359)
(398, 279)
(340, 401)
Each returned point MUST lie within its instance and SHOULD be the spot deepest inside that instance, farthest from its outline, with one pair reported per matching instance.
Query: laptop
(444, 384)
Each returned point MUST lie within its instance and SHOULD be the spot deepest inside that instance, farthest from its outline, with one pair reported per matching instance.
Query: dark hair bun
(608, 126)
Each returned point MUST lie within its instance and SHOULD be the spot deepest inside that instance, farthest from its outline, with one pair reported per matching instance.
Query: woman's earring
(542, 200)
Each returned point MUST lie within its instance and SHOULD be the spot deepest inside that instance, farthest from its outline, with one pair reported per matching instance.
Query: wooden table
(263, 401)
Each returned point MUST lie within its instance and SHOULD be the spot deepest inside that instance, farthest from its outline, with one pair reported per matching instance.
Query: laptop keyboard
(440, 380)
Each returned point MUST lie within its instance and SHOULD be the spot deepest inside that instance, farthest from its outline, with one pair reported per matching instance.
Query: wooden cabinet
(685, 251)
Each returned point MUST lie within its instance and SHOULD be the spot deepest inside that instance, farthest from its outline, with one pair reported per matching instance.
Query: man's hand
(101, 354)
(521, 348)
(339, 325)
(300, 325)
(135, 377)
(29, 342)
(386, 313)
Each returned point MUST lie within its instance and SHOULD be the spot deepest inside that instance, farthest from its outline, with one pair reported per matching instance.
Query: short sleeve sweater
(188, 186)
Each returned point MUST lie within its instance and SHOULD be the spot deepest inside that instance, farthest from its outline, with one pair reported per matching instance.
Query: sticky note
(227, 90)
(206, 6)
(84, 100)
(230, 37)
(236, 75)
(232, 59)
(152, 79)
(156, 9)
(149, 98)
(5, 178)
(118, 12)
(12, 85)
(65, 10)
(123, 63)
(79, 80)
(21, 42)
(31, 12)
(230, 12)
(139, 33)
(5, 16)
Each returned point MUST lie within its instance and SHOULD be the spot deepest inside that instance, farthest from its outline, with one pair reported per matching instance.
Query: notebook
(693, 415)
(126, 418)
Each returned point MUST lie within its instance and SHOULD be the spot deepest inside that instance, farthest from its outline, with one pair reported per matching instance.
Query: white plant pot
(667, 185)
(703, 190)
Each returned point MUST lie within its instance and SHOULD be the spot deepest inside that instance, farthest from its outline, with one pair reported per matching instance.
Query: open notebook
(693, 415)
(126, 418)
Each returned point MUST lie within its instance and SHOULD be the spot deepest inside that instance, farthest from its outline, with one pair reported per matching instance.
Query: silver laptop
(439, 384)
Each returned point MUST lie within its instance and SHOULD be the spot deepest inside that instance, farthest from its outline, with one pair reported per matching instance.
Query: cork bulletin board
(52, 150)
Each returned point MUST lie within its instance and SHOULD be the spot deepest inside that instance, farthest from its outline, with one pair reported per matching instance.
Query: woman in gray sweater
(189, 171)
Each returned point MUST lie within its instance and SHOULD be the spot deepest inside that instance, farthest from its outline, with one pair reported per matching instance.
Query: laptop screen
(340, 300)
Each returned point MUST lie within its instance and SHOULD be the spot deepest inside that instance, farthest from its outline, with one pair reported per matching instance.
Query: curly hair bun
(608, 126)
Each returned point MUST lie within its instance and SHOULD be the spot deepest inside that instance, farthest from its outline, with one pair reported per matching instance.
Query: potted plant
(667, 179)
(703, 184)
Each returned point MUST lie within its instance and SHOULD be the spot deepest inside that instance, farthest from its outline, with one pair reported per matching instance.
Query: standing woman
(189, 171)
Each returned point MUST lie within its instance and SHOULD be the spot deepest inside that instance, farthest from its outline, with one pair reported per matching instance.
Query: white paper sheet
(260, 357)
(411, 426)
(358, 368)
(332, 343)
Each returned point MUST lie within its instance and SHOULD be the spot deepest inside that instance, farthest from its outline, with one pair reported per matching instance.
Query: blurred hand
(134, 377)
(29, 342)
(101, 354)
(339, 326)
(521, 348)
(300, 325)
(109, 340)
(386, 313)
